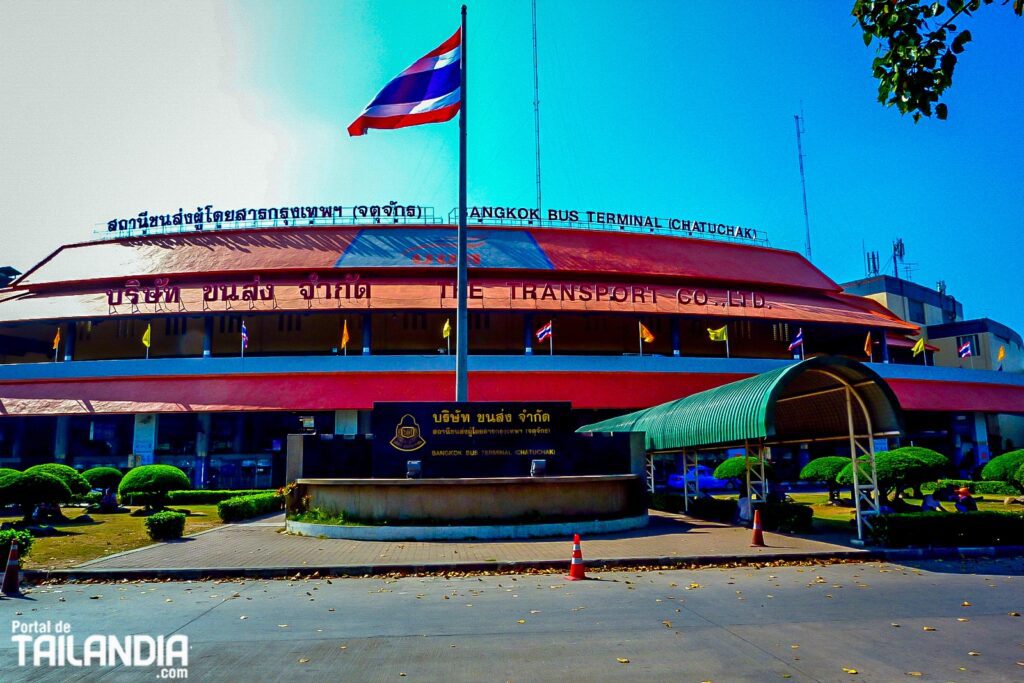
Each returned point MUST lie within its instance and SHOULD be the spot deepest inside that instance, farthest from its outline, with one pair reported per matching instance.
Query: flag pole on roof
(433, 90)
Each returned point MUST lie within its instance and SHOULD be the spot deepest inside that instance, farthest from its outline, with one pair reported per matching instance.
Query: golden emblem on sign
(407, 435)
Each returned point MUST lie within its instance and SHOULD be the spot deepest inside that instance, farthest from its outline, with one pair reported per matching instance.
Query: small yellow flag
(147, 335)
(446, 331)
(646, 334)
(721, 334)
(344, 334)
(56, 340)
(999, 356)
(867, 346)
(918, 347)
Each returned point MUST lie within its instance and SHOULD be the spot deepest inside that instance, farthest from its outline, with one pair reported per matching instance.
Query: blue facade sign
(409, 247)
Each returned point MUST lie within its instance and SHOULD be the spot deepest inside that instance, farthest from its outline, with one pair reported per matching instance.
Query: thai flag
(544, 332)
(245, 336)
(429, 91)
(965, 350)
(798, 340)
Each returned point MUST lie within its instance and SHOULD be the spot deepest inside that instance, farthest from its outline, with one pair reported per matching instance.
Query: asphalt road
(886, 622)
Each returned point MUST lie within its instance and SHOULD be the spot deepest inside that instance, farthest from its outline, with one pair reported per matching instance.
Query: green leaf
(940, 111)
(867, 36)
(937, 9)
(960, 40)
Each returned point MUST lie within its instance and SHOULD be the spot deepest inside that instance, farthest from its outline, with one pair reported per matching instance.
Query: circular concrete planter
(456, 533)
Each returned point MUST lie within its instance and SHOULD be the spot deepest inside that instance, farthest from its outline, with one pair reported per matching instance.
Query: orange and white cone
(577, 571)
(12, 573)
(758, 540)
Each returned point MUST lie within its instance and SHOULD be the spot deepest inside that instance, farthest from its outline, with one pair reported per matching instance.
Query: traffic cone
(12, 573)
(577, 572)
(758, 540)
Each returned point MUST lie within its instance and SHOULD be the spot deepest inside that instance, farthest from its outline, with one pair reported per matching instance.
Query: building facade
(130, 348)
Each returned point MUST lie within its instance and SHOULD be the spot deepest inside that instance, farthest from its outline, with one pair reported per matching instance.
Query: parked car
(705, 480)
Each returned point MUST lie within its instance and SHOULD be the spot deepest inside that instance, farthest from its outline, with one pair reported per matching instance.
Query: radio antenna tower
(799, 120)
(536, 99)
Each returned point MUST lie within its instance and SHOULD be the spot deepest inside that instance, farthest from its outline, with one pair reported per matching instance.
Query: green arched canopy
(805, 401)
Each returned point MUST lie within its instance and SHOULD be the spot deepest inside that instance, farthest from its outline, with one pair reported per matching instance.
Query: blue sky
(663, 108)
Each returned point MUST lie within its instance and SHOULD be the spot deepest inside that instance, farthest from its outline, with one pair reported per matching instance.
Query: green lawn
(107, 534)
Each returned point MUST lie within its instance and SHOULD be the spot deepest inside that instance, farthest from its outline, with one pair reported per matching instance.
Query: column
(207, 336)
(144, 438)
(60, 438)
(69, 341)
(981, 451)
(202, 450)
(675, 337)
(885, 346)
(528, 334)
(366, 334)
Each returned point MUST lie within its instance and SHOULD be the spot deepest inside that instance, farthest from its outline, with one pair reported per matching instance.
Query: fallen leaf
(929, 628)
(852, 672)
(282, 625)
(622, 660)
(794, 646)
(962, 619)
(965, 604)
(972, 653)
(303, 660)
(1014, 614)
(668, 624)
(914, 673)
(243, 618)
(894, 625)
(520, 621)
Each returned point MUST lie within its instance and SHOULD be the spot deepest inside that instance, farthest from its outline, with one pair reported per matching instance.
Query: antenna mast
(798, 119)
(536, 99)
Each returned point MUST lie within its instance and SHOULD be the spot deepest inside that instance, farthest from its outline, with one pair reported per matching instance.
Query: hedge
(245, 507)
(1003, 467)
(210, 497)
(163, 526)
(983, 488)
(23, 538)
(716, 509)
(787, 518)
(926, 529)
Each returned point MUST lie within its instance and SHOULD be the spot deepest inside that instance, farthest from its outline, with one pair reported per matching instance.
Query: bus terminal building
(203, 345)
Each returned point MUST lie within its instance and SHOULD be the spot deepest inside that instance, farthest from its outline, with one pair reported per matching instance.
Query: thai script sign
(450, 439)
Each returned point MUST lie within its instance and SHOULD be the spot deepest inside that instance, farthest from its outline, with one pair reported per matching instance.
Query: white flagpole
(727, 342)
(551, 339)
(640, 333)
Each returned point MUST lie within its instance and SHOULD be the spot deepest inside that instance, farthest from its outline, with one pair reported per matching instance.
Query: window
(973, 338)
(915, 311)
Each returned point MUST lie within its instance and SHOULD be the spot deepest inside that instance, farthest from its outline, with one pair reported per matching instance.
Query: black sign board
(468, 439)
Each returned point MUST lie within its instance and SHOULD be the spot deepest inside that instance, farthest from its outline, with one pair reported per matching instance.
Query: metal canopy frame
(758, 449)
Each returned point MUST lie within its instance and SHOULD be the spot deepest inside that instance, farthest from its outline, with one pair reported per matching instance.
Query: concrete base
(453, 533)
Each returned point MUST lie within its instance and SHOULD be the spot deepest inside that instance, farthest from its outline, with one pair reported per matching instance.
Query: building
(992, 346)
(78, 384)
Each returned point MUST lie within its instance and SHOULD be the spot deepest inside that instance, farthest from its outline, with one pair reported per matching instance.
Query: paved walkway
(263, 545)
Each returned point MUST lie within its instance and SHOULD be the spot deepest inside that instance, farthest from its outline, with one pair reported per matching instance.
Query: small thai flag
(965, 350)
(544, 332)
(429, 91)
(245, 336)
(798, 340)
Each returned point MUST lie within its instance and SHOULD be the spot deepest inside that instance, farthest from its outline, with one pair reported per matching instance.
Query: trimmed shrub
(23, 538)
(245, 507)
(149, 485)
(1018, 479)
(787, 518)
(8, 481)
(927, 529)
(69, 475)
(825, 470)
(31, 489)
(209, 497)
(899, 469)
(103, 477)
(667, 502)
(983, 488)
(736, 468)
(1004, 467)
(163, 526)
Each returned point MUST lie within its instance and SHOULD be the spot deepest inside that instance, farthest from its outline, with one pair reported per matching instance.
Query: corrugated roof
(799, 401)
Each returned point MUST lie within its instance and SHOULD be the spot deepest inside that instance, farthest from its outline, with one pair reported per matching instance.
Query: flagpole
(727, 342)
(462, 317)
(640, 333)
(551, 339)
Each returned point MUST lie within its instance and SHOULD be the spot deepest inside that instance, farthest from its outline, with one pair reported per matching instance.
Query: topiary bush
(69, 475)
(149, 485)
(984, 488)
(1004, 468)
(103, 477)
(166, 525)
(898, 469)
(31, 489)
(8, 478)
(736, 468)
(23, 538)
(246, 507)
(925, 529)
(825, 470)
(1018, 479)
